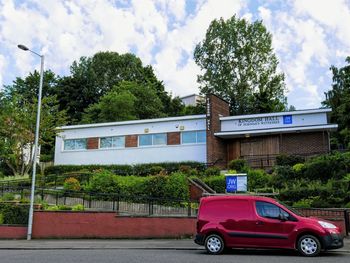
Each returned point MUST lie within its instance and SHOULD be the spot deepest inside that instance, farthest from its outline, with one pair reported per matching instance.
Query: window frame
(113, 137)
(196, 133)
(288, 216)
(74, 139)
(152, 139)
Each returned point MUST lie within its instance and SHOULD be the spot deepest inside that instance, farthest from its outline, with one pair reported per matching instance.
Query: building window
(112, 142)
(152, 139)
(74, 144)
(193, 137)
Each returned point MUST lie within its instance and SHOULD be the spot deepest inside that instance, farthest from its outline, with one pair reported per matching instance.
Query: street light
(36, 141)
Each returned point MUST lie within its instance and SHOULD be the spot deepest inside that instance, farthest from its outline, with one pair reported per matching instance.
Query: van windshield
(291, 209)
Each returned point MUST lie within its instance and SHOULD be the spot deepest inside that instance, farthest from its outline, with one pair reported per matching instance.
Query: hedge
(13, 214)
(137, 169)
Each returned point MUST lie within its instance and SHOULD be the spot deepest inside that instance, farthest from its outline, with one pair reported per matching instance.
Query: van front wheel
(214, 244)
(309, 246)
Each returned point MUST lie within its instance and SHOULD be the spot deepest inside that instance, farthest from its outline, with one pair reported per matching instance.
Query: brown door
(260, 151)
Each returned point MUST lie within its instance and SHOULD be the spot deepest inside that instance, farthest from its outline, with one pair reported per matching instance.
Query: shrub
(156, 170)
(78, 208)
(303, 203)
(1, 219)
(299, 167)
(138, 169)
(212, 171)
(8, 197)
(52, 208)
(289, 160)
(257, 179)
(217, 183)
(103, 182)
(239, 165)
(14, 214)
(71, 184)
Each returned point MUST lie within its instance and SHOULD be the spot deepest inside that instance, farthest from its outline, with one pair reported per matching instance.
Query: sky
(308, 37)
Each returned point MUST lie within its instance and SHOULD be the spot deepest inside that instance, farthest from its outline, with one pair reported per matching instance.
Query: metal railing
(122, 204)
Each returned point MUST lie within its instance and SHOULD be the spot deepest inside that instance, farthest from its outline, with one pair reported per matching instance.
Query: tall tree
(239, 65)
(338, 98)
(17, 129)
(126, 101)
(92, 77)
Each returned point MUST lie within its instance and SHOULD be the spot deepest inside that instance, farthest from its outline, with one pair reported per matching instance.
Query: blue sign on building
(231, 183)
(287, 119)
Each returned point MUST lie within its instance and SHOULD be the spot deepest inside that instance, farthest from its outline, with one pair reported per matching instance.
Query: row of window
(144, 140)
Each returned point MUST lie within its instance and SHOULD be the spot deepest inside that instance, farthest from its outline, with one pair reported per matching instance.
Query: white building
(214, 138)
(192, 100)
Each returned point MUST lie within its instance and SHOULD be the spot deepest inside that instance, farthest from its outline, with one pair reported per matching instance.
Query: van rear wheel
(214, 244)
(309, 246)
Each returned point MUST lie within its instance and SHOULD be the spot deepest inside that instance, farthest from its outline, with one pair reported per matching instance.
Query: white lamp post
(32, 194)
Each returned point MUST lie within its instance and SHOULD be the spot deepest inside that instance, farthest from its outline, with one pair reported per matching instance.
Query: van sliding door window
(268, 210)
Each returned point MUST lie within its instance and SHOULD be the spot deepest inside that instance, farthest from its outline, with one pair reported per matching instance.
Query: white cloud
(2, 66)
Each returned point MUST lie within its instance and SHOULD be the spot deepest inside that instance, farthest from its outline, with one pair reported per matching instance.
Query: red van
(260, 222)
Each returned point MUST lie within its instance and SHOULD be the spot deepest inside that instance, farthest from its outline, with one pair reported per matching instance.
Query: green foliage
(94, 77)
(8, 197)
(257, 179)
(290, 160)
(239, 65)
(14, 214)
(338, 98)
(1, 219)
(78, 207)
(212, 171)
(103, 182)
(71, 184)
(303, 203)
(240, 165)
(138, 169)
(154, 170)
(217, 183)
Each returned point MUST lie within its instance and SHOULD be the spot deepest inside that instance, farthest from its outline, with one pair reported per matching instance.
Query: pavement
(82, 244)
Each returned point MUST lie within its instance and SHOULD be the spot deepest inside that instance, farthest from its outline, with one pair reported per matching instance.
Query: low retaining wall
(53, 224)
(13, 232)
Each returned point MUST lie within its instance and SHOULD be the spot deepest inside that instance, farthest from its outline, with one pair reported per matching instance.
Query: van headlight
(327, 225)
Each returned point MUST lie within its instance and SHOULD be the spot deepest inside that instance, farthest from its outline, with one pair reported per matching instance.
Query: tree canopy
(338, 98)
(93, 77)
(238, 64)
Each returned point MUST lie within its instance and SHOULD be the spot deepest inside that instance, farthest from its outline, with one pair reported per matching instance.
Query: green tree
(17, 128)
(92, 77)
(114, 106)
(338, 98)
(239, 65)
(126, 101)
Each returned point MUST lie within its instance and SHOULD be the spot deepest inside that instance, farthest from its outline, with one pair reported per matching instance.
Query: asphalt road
(160, 256)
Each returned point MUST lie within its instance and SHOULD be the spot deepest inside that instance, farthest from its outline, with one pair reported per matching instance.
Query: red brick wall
(299, 143)
(173, 138)
(92, 143)
(131, 140)
(13, 232)
(216, 147)
(51, 224)
(195, 192)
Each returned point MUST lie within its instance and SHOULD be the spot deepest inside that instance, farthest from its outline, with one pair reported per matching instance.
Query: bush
(8, 197)
(303, 203)
(239, 165)
(78, 208)
(103, 182)
(257, 179)
(71, 184)
(14, 214)
(154, 170)
(289, 160)
(138, 169)
(1, 219)
(217, 183)
(212, 171)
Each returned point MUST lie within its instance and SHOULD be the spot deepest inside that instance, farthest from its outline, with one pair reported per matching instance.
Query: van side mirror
(282, 217)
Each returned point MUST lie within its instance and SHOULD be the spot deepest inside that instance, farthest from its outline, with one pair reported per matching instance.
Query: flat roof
(296, 112)
(238, 134)
(106, 124)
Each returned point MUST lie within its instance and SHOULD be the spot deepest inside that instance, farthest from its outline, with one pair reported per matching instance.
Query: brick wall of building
(131, 140)
(92, 143)
(216, 147)
(173, 138)
(304, 143)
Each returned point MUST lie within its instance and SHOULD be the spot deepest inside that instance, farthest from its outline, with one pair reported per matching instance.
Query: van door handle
(259, 222)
